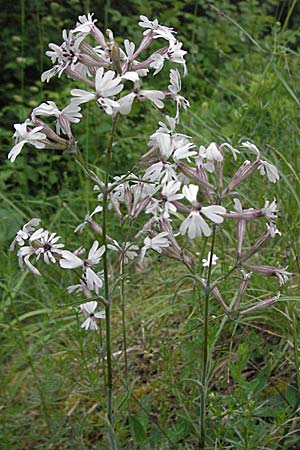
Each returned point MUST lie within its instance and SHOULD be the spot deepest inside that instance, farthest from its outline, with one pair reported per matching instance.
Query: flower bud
(143, 45)
(216, 293)
(197, 175)
(281, 274)
(241, 229)
(243, 172)
(98, 35)
(262, 305)
(242, 288)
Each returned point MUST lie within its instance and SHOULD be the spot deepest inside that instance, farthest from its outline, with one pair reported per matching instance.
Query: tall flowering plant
(176, 193)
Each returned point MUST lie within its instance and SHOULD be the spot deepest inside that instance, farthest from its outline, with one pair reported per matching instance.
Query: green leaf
(139, 430)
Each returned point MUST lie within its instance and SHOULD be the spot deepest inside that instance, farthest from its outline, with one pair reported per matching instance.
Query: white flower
(158, 30)
(24, 253)
(88, 312)
(25, 233)
(85, 24)
(175, 82)
(194, 224)
(76, 288)
(161, 172)
(176, 55)
(94, 281)
(206, 262)
(270, 209)
(157, 243)
(140, 191)
(48, 246)
(175, 87)
(127, 56)
(169, 195)
(126, 102)
(156, 97)
(270, 170)
(157, 62)
(106, 85)
(154, 208)
(213, 213)
(238, 205)
(183, 150)
(129, 48)
(212, 155)
(87, 218)
(23, 136)
(273, 229)
(165, 145)
(190, 192)
(233, 150)
(66, 55)
(127, 249)
(283, 276)
(251, 147)
(167, 128)
(69, 260)
(46, 109)
(70, 114)
(95, 254)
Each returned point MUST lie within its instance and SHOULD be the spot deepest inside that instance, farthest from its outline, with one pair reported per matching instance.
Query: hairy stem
(205, 347)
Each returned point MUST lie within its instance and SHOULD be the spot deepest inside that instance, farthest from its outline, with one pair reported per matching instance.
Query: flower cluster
(107, 70)
(176, 189)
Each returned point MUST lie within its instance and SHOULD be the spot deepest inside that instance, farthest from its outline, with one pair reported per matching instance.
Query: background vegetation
(243, 83)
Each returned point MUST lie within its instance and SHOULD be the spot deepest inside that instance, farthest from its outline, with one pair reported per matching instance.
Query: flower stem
(109, 384)
(122, 298)
(205, 348)
(296, 355)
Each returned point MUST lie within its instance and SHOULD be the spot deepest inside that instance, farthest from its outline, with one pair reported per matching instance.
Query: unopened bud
(262, 305)
(242, 289)
(259, 243)
(217, 294)
(50, 133)
(197, 175)
(243, 172)
(281, 274)
(143, 45)
(140, 207)
(241, 229)
(98, 35)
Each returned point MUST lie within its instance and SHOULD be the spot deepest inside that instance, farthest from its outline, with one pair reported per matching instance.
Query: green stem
(205, 348)
(109, 385)
(296, 354)
(102, 352)
(122, 298)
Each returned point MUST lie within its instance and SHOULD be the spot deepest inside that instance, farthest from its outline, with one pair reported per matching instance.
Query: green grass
(243, 84)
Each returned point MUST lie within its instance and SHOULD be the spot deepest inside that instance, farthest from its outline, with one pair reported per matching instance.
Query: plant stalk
(205, 348)
(109, 384)
(122, 298)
